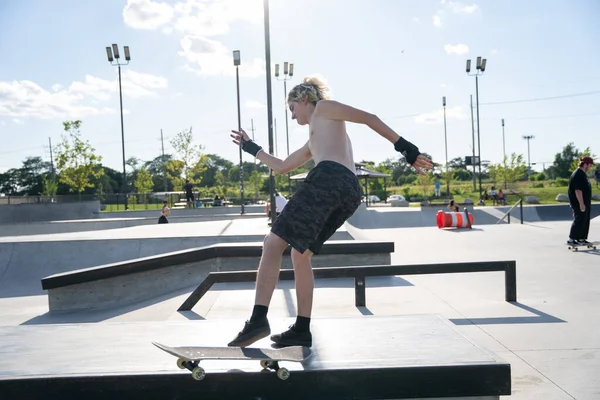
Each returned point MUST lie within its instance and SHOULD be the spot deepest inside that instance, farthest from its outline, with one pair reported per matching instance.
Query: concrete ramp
(25, 260)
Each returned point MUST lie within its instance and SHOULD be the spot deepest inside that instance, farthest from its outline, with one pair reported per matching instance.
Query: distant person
(580, 198)
(164, 213)
(280, 203)
(452, 206)
(501, 197)
(437, 188)
(494, 196)
(189, 193)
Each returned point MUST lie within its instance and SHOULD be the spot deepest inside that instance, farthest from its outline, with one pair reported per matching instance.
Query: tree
(586, 153)
(256, 181)
(143, 182)
(76, 160)
(426, 182)
(564, 160)
(191, 157)
(511, 170)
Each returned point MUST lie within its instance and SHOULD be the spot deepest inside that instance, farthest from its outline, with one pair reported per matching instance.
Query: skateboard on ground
(190, 357)
(591, 245)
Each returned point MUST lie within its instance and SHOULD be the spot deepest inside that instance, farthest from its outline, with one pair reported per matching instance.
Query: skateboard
(190, 357)
(591, 245)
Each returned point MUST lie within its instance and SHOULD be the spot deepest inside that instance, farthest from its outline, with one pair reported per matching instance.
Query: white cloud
(455, 7)
(255, 104)
(458, 49)
(196, 21)
(210, 57)
(147, 14)
(18, 121)
(437, 117)
(79, 99)
(458, 7)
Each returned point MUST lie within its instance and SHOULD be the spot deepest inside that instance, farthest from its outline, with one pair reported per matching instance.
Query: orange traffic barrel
(453, 220)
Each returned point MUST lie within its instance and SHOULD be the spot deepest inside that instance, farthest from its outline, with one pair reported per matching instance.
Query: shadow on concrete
(539, 318)
(462, 230)
(90, 316)
(365, 311)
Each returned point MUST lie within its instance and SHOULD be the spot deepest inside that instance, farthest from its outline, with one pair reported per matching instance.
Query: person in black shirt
(189, 193)
(580, 198)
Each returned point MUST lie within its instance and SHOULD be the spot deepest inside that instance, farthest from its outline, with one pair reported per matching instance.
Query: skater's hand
(422, 162)
(238, 135)
(582, 207)
(241, 139)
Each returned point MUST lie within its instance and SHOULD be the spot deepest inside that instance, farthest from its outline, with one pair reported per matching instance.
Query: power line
(543, 98)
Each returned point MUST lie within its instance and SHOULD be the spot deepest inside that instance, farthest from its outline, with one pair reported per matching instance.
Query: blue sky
(394, 58)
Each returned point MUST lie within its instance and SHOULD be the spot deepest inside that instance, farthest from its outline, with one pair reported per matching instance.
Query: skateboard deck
(190, 357)
(584, 247)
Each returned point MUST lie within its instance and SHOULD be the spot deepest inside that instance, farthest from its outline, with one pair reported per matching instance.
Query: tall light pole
(288, 72)
(528, 138)
(473, 148)
(446, 143)
(113, 54)
(237, 60)
(269, 105)
(480, 69)
(504, 152)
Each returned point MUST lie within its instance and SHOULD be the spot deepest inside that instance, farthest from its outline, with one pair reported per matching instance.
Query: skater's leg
(257, 327)
(305, 282)
(268, 269)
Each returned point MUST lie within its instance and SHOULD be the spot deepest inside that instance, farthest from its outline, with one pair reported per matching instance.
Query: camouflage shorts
(329, 195)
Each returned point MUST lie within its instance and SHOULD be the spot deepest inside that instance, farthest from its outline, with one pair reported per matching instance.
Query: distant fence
(135, 201)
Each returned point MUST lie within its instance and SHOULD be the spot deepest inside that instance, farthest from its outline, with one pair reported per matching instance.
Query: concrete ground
(550, 336)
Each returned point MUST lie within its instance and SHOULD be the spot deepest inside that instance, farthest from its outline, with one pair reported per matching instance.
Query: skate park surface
(549, 336)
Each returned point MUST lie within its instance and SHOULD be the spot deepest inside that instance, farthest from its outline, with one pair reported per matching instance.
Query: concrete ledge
(399, 357)
(140, 279)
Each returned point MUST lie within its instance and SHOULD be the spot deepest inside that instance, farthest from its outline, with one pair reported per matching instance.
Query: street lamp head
(237, 60)
(468, 66)
(478, 63)
(483, 64)
(285, 68)
(127, 55)
(109, 54)
(502, 121)
(291, 70)
(276, 70)
(444, 101)
(115, 49)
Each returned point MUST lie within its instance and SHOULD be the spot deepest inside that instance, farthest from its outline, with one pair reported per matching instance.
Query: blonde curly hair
(313, 88)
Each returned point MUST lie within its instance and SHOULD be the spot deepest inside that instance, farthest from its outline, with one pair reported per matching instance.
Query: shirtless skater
(329, 195)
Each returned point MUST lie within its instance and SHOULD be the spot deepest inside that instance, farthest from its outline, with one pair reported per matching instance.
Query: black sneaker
(572, 242)
(583, 241)
(252, 332)
(293, 338)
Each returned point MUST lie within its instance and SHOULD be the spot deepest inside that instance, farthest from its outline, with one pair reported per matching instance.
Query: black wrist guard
(250, 147)
(408, 150)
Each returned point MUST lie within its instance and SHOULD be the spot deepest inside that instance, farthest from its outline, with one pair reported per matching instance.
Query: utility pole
(52, 161)
(528, 138)
(252, 130)
(473, 130)
(162, 143)
(504, 152)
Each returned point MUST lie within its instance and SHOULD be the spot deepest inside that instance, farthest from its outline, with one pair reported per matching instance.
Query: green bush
(541, 177)
(538, 185)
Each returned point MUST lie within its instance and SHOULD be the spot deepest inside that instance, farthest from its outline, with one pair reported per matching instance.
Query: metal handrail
(518, 203)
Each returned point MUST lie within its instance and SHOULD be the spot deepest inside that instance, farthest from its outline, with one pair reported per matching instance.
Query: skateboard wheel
(198, 373)
(264, 364)
(181, 363)
(283, 373)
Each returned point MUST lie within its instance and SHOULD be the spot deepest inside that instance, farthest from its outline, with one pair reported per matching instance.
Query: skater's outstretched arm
(334, 110)
(293, 161)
